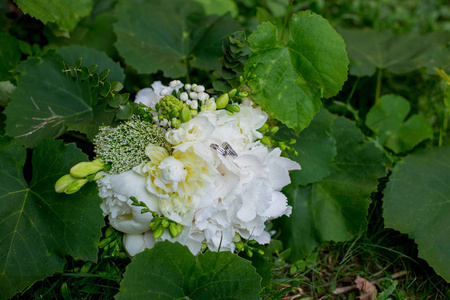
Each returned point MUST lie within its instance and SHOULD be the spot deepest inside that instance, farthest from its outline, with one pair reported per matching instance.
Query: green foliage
(9, 56)
(65, 13)
(170, 271)
(316, 149)
(39, 226)
(417, 202)
(289, 79)
(335, 208)
(34, 114)
(387, 120)
(170, 35)
(6, 88)
(219, 7)
(402, 53)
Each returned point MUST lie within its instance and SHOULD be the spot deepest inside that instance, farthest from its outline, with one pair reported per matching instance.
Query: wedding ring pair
(224, 150)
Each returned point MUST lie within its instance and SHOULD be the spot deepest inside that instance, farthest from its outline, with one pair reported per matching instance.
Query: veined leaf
(417, 202)
(386, 120)
(316, 149)
(170, 271)
(290, 79)
(335, 208)
(166, 35)
(65, 13)
(9, 55)
(369, 50)
(38, 226)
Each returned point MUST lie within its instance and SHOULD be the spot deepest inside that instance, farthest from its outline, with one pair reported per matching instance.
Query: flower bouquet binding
(189, 168)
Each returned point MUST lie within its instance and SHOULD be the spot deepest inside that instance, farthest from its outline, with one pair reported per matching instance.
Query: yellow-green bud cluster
(111, 244)
(173, 109)
(80, 174)
(246, 246)
(158, 224)
(268, 139)
(124, 146)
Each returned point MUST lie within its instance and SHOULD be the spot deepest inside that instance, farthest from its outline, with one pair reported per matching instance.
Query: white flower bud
(184, 96)
(194, 104)
(188, 102)
(176, 85)
(202, 96)
(187, 87)
(194, 87)
(193, 95)
(200, 88)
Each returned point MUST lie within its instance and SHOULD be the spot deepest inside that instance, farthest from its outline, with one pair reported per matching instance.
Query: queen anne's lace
(213, 196)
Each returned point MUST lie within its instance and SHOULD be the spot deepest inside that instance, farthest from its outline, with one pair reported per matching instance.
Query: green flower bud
(75, 186)
(99, 175)
(174, 113)
(156, 224)
(239, 246)
(243, 94)
(260, 252)
(274, 129)
(176, 123)
(265, 141)
(222, 101)
(165, 223)
(193, 112)
(232, 93)
(84, 169)
(173, 230)
(263, 128)
(292, 141)
(248, 252)
(158, 232)
(282, 146)
(236, 238)
(233, 108)
(185, 114)
(63, 183)
(109, 231)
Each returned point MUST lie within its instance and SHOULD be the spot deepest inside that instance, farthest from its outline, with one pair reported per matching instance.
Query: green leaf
(45, 99)
(316, 149)
(65, 13)
(219, 7)
(369, 49)
(90, 57)
(170, 271)
(38, 226)
(417, 202)
(289, 80)
(6, 88)
(386, 120)
(336, 207)
(164, 35)
(9, 56)
(124, 112)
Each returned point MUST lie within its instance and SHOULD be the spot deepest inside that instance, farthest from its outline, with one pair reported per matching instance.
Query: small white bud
(200, 88)
(194, 104)
(194, 87)
(176, 85)
(193, 95)
(202, 96)
(187, 87)
(188, 102)
(184, 96)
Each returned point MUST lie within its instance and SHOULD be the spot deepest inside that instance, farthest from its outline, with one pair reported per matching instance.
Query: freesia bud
(265, 141)
(222, 101)
(233, 108)
(158, 233)
(243, 94)
(75, 186)
(63, 183)
(274, 129)
(263, 128)
(173, 229)
(232, 93)
(84, 169)
(185, 115)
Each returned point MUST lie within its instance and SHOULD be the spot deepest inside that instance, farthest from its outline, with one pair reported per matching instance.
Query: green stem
(286, 18)
(186, 64)
(443, 130)
(378, 90)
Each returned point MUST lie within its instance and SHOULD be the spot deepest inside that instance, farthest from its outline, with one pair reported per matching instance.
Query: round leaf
(9, 56)
(417, 202)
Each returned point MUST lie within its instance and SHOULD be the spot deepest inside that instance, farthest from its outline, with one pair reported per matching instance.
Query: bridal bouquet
(188, 167)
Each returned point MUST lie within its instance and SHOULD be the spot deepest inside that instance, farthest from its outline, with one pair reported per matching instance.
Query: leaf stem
(378, 89)
(186, 64)
(286, 18)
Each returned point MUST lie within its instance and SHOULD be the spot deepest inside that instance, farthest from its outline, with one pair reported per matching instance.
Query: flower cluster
(209, 183)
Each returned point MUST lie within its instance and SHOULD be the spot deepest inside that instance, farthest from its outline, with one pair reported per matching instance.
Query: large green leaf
(9, 56)
(316, 149)
(170, 271)
(336, 207)
(369, 50)
(38, 226)
(169, 34)
(46, 100)
(386, 120)
(417, 202)
(65, 13)
(289, 79)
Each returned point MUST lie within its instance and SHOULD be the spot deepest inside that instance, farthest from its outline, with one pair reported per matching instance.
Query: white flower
(150, 96)
(193, 95)
(184, 96)
(202, 96)
(187, 87)
(200, 88)
(166, 91)
(194, 104)
(176, 85)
